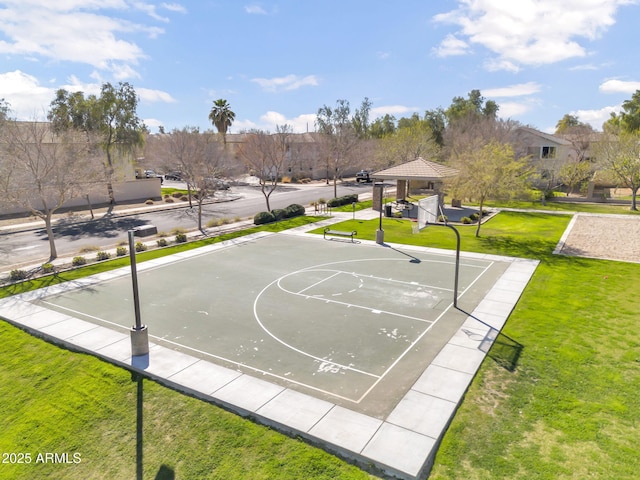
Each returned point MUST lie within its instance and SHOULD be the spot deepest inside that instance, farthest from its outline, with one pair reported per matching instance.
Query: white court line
(317, 283)
(211, 355)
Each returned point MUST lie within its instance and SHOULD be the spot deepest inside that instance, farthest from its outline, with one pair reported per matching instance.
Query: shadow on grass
(518, 247)
(501, 348)
(164, 472)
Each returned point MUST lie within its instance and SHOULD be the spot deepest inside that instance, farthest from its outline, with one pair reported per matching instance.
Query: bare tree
(407, 144)
(42, 169)
(265, 155)
(200, 156)
(339, 137)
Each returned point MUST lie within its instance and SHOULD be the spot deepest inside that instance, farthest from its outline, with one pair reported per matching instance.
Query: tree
(474, 105)
(110, 121)
(221, 116)
(200, 158)
(383, 126)
(491, 171)
(265, 155)
(361, 119)
(413, 140)
(339, 137)
(437, 122)
(620, 155)
(574, 172)
(42, 169)
(628, 120)
(567, 122)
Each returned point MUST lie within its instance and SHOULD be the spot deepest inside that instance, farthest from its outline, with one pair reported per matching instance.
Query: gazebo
(418, 174)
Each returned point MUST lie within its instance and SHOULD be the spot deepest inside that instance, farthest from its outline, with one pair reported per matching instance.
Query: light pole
(139, 332)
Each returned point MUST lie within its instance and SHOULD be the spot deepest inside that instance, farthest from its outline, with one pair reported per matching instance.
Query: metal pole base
(380, 237)
(139, 341)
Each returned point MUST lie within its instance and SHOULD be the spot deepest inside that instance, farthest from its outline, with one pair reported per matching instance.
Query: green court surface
(352, 323)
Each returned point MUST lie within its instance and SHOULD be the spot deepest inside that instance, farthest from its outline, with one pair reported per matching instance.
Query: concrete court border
(403, 445)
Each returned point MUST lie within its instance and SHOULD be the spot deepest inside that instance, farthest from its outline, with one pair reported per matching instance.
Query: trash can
(387, 210)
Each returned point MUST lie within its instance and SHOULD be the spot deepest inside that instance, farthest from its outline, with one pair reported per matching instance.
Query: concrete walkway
(401, 445)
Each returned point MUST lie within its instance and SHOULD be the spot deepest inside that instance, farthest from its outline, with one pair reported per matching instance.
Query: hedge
(344, 200)
(263, 217)
(293, 210)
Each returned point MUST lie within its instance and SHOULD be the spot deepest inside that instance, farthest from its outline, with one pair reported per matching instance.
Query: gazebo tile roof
(419, 169)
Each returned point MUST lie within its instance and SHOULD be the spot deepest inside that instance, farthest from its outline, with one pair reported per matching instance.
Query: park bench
(339, 233)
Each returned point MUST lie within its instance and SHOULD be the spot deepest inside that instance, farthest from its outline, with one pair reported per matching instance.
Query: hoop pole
(457, 269)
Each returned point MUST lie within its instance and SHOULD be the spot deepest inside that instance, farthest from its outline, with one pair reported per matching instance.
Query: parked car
(152, 174)
(363, 176)
(176, 176)
(215, 183)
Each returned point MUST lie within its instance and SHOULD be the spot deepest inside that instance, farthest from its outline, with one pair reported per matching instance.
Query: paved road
(32, 246)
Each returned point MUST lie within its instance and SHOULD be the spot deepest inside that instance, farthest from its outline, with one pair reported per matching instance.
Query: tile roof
(419, 169)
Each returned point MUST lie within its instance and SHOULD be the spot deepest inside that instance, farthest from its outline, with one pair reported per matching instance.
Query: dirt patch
(613, 237)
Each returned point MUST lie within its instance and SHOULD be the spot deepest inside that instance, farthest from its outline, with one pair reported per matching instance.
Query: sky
(278, 62)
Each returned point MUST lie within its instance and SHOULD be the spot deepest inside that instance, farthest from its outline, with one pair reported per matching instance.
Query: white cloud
(596, 118)
(514, 109)
(517, 90)
(531, 32)
(290, 82)
(76, 31)
(268, 122)
(149, 95)
(174, 7)
(619, 86)
(255, 10)
(451, 45)
(394, 110)
(27, 98)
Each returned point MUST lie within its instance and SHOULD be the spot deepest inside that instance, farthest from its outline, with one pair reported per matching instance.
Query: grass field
(569, 408)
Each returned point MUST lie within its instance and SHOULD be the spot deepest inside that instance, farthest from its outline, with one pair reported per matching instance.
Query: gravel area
(613, 237)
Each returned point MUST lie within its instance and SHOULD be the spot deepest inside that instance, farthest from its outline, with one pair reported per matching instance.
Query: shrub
(47, 267)
(140, 247)
(474, 216)
(344, 200)
(263, 217)
(442, 218)
(121, 251)
(177, 194)
(168, 200)
(103, 256)
(177, 230)
(79, 260)
(18, 275)
(162, 242)
(149, 202)
(466, 220)
(89, 249)
(278, 213)
(184, 198)
(321, 201)
(286, 179)
(294, 210)
(181, 238)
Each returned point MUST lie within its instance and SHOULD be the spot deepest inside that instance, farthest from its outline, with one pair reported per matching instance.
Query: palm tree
(221, 116)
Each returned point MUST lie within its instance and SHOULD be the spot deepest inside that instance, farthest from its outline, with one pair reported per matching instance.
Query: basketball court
(356, 333)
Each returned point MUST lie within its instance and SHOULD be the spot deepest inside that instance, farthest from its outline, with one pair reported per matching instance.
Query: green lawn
(569, 407)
